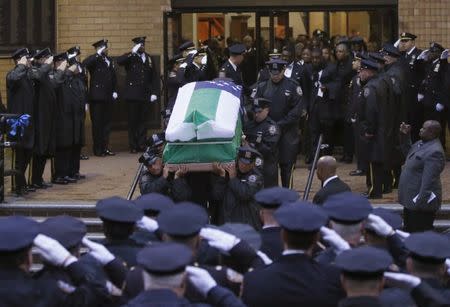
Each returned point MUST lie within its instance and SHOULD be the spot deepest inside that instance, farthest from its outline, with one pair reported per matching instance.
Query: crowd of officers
(159, 253)
(336, 89)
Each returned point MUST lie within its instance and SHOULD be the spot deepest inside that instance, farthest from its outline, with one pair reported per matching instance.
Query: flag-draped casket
(205, 125)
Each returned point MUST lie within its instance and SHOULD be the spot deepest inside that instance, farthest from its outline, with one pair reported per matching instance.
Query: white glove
(204, 60)
(98, 251)
(397, 43)
(200, 279)
(423, 55)
(115, 95)
(147, 224)
(439, 107)
(420, 97)
(136, 48)
(49, 60)
(86, 107)
(377, 224)
(72, 55)
(153, 98)
(444, 54)
(192, 51)
(184, 65)
(331, 237)
(264, 257)
(219, 239)
(23, 60)
(402, 234)
(400, 280)
(52, 251)
(447, 263)
(100, 50)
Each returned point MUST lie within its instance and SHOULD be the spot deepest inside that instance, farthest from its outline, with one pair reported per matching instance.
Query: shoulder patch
(258, 163)
(252, 178)
(299, 91)
(366, 92)
(272, 129)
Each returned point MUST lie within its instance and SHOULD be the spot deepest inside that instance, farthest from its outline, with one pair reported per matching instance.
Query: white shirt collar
(143, 57)
(293, 251)
(329, 179)
(269, 226)
(232, 64)
(412, 49)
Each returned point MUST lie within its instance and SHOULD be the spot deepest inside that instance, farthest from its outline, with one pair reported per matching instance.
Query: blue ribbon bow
(20, 123)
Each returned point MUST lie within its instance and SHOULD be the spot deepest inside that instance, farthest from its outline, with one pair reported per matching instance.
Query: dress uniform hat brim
(42, 53)
(75, 49)
(17, 232)
(185, 46)
(154, 202)
(347, 208)
(377, 57)
(185, 219)
(391, 50)
(100, 43)
(272, 198)
(364, 261)
(67, 230)
(301, 216)
(407, 36)
(165, 258)
(19, 53)
(369, 64)
(60, 57)
(117, 209)
(260, 103)
(248, 154)
(429, 246)
(237, 49)
(139, 40)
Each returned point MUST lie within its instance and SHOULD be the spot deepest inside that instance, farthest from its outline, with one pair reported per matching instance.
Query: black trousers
(287, 174)
(62, 161)
(22, 158)
(360, 150)
(349, 140)
(37, 169)
(101, 114)
(137, 115)
(325, 127)
(270, 173)
(375, 178)
(74, 161)
(417, 221)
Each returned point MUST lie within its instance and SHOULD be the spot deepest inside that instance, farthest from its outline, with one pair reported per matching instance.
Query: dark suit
(420, 176)
(271, 243)
(102, 85)
(142, 81)
(230, 72)
(334, 186)
(293, 280)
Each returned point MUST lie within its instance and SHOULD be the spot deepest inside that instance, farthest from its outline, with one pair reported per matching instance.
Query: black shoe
(19, 192)
(372, 196)
(357, 172)
(97, 154)
(70, 179)
(30, 188)
(84, 157)
(79, 176)
(41, 185)
(60, 180)
(109, 153)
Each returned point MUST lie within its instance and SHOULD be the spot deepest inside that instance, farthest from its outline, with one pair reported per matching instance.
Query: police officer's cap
(391, 50)
(139, 40)
(301, 216)
(67, 230)
(260, 103)
(101, 43)
(435, 47)
(237, 49)
(407, 36)
(42, 53)
(157, 139)
(149, 157)
(244, 232)
(72, 61)
(17, 232)
(118, 209)
(154, 202)
(393, 219)
(366, 261)
(165, 258)
(272, 198)
(377, 57)
(60, 57)
(176, 58)
(185, 219)
(361, 56)
(74, 50)
(275, 54)
(429, 247)
(347, 208)
(369, 64)
(186, 46)
(19, 53)
(276, 65)
(247, 154)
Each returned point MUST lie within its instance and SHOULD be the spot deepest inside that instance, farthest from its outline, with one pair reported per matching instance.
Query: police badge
(272, 129)
(366, 92)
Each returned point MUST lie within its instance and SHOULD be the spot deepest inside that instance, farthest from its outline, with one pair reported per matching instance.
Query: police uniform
(285, 109)
(233, 71)
(19, 85)
(189, 71)
(142, 83)
(264, 137)
(102, 87)
(173, 84)
(248, 67)
(299, 280)
(236, 194)
(264, 73)
(271, 199)
(119, 215)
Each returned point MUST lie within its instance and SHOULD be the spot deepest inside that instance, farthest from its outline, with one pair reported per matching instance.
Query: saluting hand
(23, 60)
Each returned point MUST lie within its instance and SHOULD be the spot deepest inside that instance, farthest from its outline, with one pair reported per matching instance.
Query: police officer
(286, 110)
(264, 74)
(232, 66)
(234, 187)
(20, 89)
(270, 200)
(102, 94)
(141, 88)
(263, 134)
(194, 67)
(173, 84)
